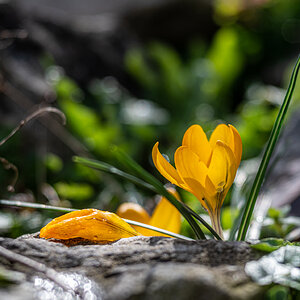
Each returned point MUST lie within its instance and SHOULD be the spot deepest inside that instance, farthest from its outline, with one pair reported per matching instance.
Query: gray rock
(135, 268)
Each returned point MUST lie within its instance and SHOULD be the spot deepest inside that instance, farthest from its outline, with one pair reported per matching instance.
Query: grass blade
(110, 169)
(267, 155)
(63, 209)
(204, 223)
(160, 189)
(235, 226)
(175, 235)
(36, 206)
(102, 166)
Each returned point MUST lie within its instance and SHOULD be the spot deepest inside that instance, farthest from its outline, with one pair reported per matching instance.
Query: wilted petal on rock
(89, 224)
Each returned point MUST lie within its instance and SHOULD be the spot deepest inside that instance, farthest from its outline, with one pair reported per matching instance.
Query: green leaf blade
(102, 166)
(248, 211)
(187, 212)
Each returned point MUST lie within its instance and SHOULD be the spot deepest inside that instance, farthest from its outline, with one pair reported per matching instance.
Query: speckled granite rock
(137, 268)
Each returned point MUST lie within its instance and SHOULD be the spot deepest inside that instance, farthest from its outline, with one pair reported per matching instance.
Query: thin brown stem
(214, 214)
(13, 34)
(32, 116)
(50, 123)
(9, 166)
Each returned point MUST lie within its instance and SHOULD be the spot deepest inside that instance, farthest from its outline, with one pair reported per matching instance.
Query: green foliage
(278, 293)
(86, 124)
(13, 225)
(74, 191)
(53, 162)
(256, 121)
(8, 277)
(102, 166)
(271, 244)
(174, 85)
(228, 216)
(278, 223)
(229, 51)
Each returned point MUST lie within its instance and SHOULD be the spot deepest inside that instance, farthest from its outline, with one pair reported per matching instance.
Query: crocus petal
(221, 173)
(210, 189)
(192, 171)
(134, 212)
(164, 167)
(210, 196)
(198, 190)
(232, 167)
(222, 133)
(222, 168)
(195, 139)
(188, 164)
(219, 165)
(166, 216)
(89, 224)
(237, 141)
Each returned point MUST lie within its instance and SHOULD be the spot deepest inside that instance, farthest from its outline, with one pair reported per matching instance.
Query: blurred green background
(236, 73)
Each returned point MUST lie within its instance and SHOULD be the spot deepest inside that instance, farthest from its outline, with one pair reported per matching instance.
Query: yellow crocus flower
(206, 168)
(165, 216)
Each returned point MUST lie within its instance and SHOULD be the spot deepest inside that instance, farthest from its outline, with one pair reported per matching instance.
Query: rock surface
(133, 268)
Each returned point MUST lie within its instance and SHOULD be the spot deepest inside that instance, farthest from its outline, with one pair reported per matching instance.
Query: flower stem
(216, 222)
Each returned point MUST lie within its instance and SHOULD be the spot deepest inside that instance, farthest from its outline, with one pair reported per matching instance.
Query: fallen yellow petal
(89, 224)
(166, 215)
(134, 212)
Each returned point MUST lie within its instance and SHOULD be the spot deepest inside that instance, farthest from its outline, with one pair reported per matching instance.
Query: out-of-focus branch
(13, 34)
(51, 124)
(32, 116)
(9, 166)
